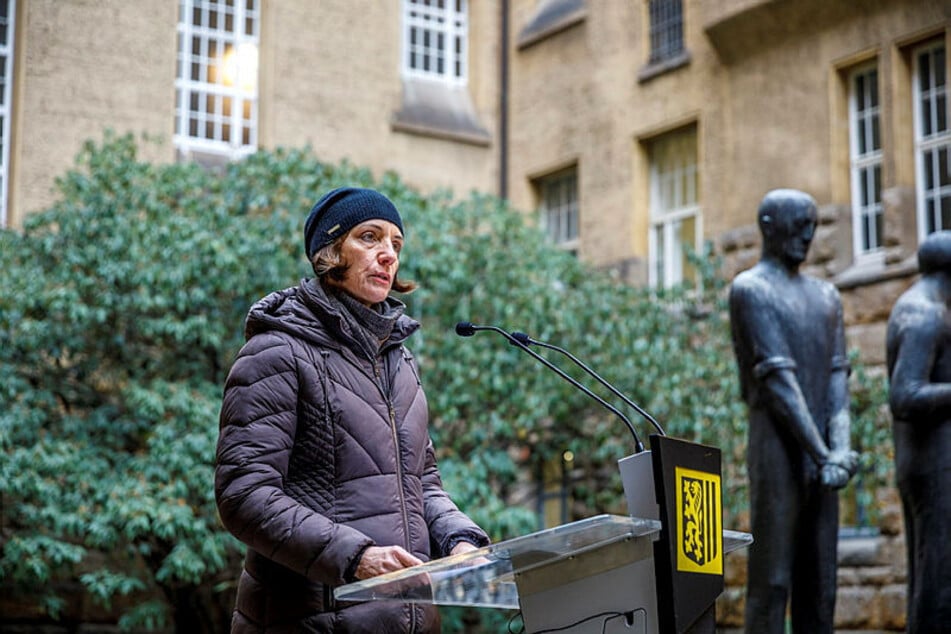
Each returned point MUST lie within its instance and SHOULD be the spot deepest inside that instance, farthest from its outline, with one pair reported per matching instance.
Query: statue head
(934, 254)
(787, 220)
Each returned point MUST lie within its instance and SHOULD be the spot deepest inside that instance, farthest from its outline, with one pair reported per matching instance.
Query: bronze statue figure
(789, 341)
(918, 347)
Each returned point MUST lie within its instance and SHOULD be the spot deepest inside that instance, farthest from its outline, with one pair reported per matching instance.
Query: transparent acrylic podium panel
(487, 577)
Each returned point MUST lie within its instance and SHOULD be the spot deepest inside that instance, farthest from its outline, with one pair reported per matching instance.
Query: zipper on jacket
(413, 617)
(399, 461)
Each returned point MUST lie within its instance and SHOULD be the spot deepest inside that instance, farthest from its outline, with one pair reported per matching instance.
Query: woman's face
(372, 252)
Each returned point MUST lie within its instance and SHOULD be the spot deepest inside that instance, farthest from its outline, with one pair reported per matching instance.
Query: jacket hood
(305, 312)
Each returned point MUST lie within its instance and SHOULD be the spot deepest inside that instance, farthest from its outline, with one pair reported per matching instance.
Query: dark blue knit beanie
(340, 210)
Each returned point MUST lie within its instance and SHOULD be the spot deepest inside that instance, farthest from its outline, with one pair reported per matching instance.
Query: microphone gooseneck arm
(466, 329)
(527, 340)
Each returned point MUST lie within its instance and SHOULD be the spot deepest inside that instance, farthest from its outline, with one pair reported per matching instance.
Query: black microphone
(466, 329)
(526, 340)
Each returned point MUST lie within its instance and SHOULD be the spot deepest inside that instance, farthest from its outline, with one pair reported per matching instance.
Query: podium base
(606, 589)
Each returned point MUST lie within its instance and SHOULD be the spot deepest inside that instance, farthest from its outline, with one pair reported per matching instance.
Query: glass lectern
(594, 575)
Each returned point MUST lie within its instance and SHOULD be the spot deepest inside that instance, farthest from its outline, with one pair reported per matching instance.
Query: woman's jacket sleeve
(258, 422)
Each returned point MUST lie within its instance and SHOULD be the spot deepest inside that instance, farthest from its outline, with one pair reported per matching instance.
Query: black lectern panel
(689, 554)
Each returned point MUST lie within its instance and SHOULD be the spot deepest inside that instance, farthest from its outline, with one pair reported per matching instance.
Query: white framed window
(435, 40)
(666, 29)
(865, 154)
(675, 216)
(559, 208)
(7, 30)
(932, 139)
(217, 78)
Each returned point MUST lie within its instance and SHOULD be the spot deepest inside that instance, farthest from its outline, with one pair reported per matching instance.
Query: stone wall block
(857, 607)
(860, 551)
(891, 521)
(745, 237)
(894, 553)
(824, 245)
(872, 303)
(734, 568)
(730, 606)
(894, 603)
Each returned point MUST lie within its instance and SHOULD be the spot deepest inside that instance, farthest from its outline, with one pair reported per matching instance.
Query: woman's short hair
(328, 261)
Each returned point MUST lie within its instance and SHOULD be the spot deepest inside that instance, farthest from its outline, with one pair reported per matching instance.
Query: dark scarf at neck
(370, 326)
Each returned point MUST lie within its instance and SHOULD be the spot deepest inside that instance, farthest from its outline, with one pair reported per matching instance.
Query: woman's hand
(377, 560)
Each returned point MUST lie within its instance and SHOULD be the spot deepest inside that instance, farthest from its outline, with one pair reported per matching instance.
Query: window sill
(875, 270)
(550, 19)
(653, 69)
(434, 109)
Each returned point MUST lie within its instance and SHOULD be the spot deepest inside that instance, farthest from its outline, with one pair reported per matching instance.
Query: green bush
(122, 306)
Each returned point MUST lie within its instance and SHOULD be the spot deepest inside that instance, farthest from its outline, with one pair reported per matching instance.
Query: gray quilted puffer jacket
(322, 453)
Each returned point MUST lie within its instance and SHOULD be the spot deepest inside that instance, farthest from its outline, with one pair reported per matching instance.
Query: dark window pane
(666, 33)
(941, 112)
(926, 127)
(928, 160)
(944, 177)
(879, 229)
(939, 77)
(861, 135)
(924, 71)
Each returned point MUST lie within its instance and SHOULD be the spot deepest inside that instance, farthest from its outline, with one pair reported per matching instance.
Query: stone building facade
(326, 74)
(639, 129)
(760, 95)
